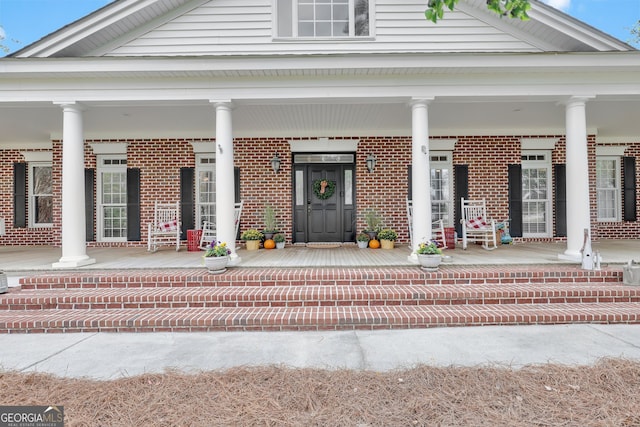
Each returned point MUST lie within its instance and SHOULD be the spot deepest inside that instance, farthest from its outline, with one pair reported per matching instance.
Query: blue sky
(25, 21)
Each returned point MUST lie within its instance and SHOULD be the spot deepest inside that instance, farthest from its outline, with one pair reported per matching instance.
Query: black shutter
(629, 169)
(236, 184)
(461, 176)
(561, 199)
(19, 195)
(410, 181)
(187, 201)
(515, 200)
(89, 203)
(133, 204)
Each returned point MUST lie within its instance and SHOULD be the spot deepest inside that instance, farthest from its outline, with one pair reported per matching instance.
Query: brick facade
(385, 189)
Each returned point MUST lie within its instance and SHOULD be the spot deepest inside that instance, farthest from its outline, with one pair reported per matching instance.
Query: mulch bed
(606, 394)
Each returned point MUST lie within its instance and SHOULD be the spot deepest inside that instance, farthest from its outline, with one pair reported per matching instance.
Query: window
(441, 188)
(322, 18)
(205, 189)
(112, 199)
(40, 195)
(608, 188)
(536, 194)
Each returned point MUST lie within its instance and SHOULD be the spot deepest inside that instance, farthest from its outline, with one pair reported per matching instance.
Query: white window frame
(204, 162)
(104, 164)
(617, 190)
(32, 195)
(292, 32)
(543, 161)
(445, 162)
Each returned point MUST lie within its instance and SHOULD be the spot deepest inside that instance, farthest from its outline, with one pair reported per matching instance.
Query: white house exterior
(189, 100)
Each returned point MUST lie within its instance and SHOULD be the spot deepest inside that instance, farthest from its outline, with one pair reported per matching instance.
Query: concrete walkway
(108, 356)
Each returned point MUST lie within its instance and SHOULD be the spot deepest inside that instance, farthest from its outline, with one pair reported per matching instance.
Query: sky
(23, 22)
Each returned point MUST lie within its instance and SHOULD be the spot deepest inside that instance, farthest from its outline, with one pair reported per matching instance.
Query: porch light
(275, 163)
(371, 162)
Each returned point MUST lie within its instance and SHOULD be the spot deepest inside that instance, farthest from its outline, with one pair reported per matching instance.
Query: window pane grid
(608, 189)
(114, 204)
(324, 18)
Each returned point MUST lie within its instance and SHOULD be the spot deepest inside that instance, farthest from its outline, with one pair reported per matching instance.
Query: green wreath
(329, 188)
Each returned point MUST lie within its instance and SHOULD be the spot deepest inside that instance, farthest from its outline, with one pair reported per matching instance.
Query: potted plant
(374, 223)
(387, 236)
(429, 256)
(279, 239)
(363, 240)
(270, 222)
(252, 238)
(216, 257)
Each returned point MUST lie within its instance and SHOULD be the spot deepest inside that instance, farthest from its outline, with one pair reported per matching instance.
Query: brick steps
(312, 318)
(310, 296)
(315, 299)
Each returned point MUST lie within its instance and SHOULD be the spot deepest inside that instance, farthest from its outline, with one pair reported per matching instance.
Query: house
(192, 100)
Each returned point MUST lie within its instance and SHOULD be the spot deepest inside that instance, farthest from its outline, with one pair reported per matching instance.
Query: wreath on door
(323, 188)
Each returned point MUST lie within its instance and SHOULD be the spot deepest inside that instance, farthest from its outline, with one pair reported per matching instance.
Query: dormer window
(322, 18)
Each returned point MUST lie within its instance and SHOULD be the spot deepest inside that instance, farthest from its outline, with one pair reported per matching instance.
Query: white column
(225, 198)
(74, 246)
(578, 208)
(420, 173)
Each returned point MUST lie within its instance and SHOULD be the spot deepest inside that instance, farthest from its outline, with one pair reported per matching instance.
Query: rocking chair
(209, 232)
(437, 228)
(165, 228)
(476, 227)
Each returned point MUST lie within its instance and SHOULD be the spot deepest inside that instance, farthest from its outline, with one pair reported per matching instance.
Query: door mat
(322, 245)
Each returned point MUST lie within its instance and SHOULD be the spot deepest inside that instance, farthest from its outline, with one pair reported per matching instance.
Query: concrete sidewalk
(108, 356)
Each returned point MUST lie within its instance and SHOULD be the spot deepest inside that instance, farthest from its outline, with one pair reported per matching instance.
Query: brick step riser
(395, 278)
(305, 324)
(242, 302)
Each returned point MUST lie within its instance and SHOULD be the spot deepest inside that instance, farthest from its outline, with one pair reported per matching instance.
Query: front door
(324, 202)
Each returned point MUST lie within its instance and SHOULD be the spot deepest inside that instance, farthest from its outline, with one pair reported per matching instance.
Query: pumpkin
(269, 244)
(374, 243)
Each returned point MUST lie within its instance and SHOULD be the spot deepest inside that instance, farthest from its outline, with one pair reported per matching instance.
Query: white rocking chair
(476, 227)
(165, 228)
(437, 233)
(209, 232)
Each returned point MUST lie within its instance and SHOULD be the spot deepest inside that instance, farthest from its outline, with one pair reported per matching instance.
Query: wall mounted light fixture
(275, 163)
(371, 162)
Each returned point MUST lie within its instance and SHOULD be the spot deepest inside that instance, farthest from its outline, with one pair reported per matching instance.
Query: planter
(216, 264)
(363, 244)
(373, 235)
(268, 235)
(386, 244)
(279, 245)
(253, 245)
(429, 262)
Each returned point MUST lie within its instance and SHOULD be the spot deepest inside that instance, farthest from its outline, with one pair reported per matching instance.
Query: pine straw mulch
(606, 394)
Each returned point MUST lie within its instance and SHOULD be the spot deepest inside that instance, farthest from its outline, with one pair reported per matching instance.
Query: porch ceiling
(37, 123)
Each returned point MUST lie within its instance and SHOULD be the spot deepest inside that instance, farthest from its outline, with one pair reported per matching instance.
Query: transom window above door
(322, 18)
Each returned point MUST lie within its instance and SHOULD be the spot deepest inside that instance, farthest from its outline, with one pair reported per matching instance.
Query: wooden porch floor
(40, 258)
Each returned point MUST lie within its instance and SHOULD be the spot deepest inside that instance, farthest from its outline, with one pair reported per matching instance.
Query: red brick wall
(385, 189)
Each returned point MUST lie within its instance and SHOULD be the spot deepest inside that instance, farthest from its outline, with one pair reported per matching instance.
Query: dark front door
(324, 203)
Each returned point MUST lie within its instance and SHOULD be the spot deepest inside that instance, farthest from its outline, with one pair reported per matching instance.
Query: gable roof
(153, 27)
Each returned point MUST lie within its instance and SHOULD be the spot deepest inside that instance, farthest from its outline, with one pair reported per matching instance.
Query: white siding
(245, 27)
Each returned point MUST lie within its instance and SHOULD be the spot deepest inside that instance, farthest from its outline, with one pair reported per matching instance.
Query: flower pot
(253, 245)
(386, 244)
(279, 245)
(363, 244)
(216, 264)
(429, 262)
(373, 235)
